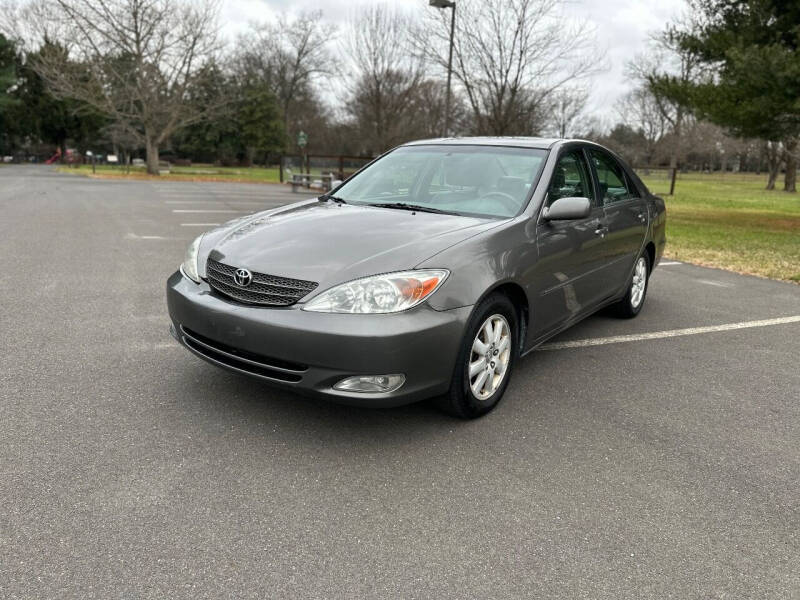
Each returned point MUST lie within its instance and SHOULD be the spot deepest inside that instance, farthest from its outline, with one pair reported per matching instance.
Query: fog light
(371, 383)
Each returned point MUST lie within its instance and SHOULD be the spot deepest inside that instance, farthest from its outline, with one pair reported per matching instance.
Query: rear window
(615, 186)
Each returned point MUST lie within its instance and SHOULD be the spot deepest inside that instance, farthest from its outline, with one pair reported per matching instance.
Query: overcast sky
(623, 27)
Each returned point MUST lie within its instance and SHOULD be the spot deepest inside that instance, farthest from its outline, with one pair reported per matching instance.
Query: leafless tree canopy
(521, 67)
(567, 106)
(383, 78)
(510, 56)
(664, 62)
(288, 55)
(640, 111)
(135, 61)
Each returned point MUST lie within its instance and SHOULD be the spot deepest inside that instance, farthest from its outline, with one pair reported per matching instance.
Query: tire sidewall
(465, 403)
(635, 310)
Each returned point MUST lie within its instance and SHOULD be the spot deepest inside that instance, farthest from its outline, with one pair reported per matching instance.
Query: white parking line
(199, 224)
(206, 191)
(133, 236)
(669, 263)
(231, 200)
(207, 210)
(191, 201)
(715, 283)
(163, 346)
(655, 335)
(210, 195)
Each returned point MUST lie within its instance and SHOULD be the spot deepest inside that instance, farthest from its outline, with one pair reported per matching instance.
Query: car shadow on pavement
(226, 397)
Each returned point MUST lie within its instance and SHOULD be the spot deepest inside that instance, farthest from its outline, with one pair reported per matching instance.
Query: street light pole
(451, 5)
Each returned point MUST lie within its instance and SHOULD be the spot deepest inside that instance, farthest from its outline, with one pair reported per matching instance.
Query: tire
(461, 400)
(632, 302)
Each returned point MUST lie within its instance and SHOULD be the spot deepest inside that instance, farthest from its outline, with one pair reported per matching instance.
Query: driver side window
(571, 178)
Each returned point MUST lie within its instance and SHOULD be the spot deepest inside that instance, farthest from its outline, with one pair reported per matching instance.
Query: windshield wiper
(415, 207)
(326, 197)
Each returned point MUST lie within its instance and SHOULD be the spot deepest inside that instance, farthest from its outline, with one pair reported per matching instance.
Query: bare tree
(773, 152)
(31, 23)
(665, 70)
(289, 55)
(135, 61)
(640, 110)
(383, 77)
(509, 57)
(567, 107)
(427, 110)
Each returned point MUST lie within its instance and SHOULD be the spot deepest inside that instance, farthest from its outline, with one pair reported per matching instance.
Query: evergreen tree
(8, 82)
(752, 87)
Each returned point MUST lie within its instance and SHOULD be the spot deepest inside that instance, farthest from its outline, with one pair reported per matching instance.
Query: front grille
(242, 360)
(264, 290)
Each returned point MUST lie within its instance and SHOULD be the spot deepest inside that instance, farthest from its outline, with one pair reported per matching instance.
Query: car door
(571, 255)
(625, 215)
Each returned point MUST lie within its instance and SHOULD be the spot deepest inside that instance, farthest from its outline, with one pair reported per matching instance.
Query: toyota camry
(427, 274)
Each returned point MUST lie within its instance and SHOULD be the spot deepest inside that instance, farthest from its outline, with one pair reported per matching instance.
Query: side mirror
(567, 208)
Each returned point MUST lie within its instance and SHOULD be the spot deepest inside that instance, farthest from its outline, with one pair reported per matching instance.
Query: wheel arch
(650, 248)
(516, 293)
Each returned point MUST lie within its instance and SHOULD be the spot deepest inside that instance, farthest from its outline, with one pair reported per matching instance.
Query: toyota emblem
(242, 277)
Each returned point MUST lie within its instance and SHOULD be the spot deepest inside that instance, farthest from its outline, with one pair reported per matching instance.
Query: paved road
(660, 468)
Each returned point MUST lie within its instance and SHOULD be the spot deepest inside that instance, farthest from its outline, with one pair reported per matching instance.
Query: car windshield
(485, 181)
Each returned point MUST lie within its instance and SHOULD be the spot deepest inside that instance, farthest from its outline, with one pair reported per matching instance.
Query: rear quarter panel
(658, 226)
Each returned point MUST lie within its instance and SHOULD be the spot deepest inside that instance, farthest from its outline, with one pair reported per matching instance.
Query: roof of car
(524, 142)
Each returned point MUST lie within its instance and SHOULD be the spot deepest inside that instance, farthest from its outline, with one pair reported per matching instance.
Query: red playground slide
(53, 158)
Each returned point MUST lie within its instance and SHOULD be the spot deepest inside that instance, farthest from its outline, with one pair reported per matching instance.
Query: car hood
(331, 243)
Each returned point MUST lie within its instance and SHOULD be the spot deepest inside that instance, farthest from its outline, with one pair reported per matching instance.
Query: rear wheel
(633, 301)
(487, 355)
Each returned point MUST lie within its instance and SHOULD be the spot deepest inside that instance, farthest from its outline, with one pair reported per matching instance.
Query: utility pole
(452, 5)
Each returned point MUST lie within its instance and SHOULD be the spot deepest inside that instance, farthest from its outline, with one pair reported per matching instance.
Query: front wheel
(483, 367)
(633, 301)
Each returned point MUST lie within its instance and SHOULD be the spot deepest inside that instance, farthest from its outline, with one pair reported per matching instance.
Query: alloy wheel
(489, 357)
(639, 282)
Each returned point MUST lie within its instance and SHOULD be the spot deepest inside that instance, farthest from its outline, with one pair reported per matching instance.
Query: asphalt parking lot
(647, 466)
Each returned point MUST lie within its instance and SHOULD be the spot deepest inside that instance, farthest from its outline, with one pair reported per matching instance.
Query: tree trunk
(773, 164)
(677, 132)
(790, 178)
(152, 155)
(773, 175)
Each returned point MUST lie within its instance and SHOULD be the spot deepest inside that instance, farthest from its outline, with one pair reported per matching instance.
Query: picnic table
(305, 180)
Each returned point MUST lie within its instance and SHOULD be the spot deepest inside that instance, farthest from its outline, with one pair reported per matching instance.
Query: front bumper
(309, 352)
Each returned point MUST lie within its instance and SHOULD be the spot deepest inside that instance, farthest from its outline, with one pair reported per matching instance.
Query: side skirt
(574, 321)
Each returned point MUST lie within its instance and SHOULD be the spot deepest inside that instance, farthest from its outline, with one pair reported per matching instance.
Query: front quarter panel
(481, 263)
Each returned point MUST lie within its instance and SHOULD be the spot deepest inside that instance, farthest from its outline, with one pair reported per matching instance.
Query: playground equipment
(53, 158)
(72, 157)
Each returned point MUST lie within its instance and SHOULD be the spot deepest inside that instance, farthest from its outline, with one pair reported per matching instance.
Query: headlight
(389, 293)
(189, 266)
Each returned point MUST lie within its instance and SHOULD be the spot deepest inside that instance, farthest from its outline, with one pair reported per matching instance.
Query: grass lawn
(731, 222)
(193, 173)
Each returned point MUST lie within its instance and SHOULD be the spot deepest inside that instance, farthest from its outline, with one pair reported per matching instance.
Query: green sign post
(302, 140)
